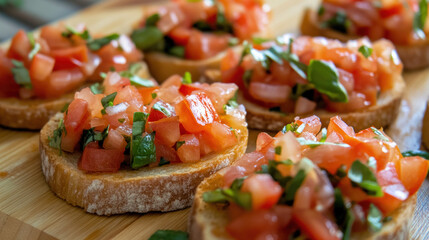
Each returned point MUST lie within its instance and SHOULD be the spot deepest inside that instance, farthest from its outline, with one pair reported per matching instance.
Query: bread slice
(413, 57)
(162, 66)
(208, 221)
(425, 128)
(165, 188)
(33, 114)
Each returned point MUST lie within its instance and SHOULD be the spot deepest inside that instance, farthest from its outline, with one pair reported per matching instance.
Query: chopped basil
(203, 26)
(103, 75)
(233, 41)
(35, 46)
(177, 51)
(338, 22)
(324, 76)
(243, 199)
(374, 218)
(187, 78)
(71, 31)
(154, 95)
(140, 82)
(360, 175)
(160, 107)
(271, 168)
(366, 51)
(21, 75)
(97, 88)
(65, 108)
(163, 162)
(293, 186)
(152, 20)
(419, 153)
(379, 134)
(169, 235)
(93, 136)
(299, 90)
(107, 101)
(300, 128)
(143, 150)
(179, 144)
(98, 43)
(314, 144)
(259, 40)
(420, 19)
(278, 150)
(121, 120)
(324, 135)
(299, 67)
(139, 122)
(55, 140)
(339, 174)
(231, 102)
(147, 38)
(222, 23)
(291, 127)
(321, 10)
(247, 76)
(343, 214)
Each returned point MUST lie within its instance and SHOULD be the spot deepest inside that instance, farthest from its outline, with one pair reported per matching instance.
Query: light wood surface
(29, 210)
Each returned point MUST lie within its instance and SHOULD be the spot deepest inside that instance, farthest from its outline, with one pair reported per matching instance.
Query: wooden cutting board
(29, 210)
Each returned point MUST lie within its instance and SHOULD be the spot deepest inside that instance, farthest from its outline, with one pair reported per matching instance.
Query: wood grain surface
(29, 210)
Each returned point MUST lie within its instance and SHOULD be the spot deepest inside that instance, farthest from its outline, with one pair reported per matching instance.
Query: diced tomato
(160, 110)
(63, 81)
(70, 57)
(74, 121)
(195, 112)
(315, 225)
(9, 87)
(259, 224)
(114, 140)
(171, 17)
(288, 146)
(180, 35)
(336, 124)
(312, 124)
(167, 130)
(20, 46)
(174, 80)
(114, 82)
(204, 144)
(205, 45)
(304, 195)
(40, 68)
(146, 93)
(101, 160)
(219, 136)
(304, 105)
(189, 149)
(129, 50)
(127, 94)
(263, 142)
(391, 10)
(187, 89)
(331, 157)
(413, 172)
(269, 93)
(264, 190)
(166, 152)
(53, 36)
(94, 101)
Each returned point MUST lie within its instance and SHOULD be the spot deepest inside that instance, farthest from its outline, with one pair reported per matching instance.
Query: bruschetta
(132, 146)
(40, 74)
(308, 183)
(192, 36)
(402, 22)
(279, 80)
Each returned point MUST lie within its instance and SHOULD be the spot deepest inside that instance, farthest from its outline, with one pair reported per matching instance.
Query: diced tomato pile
(362, 77)
(393, 20)
(280, 208)
(204, 28)
(184, 118)
(58, 62)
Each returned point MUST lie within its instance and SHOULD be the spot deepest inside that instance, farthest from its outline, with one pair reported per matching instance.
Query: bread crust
(166, 188)
(413, 57)
(379, 115)
(162, 66)
(208, 221)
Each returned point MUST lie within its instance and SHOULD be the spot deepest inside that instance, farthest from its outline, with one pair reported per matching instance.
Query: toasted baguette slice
(413, 57)
(166, 188)
(379, 115)
(33, 114)
(162, 66)
(208, 221)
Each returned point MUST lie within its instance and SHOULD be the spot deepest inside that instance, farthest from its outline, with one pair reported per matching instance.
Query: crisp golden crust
(165, 188)
(208, 221)
(30, 113)
(413, 57)
(380, 115)
(162, 66)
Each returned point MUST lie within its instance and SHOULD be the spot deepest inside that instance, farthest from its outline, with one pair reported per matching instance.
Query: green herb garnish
(93, 136)
(419, 153)
(343, 214)
(374, 218)
(97, 88)
(21, 75)
(366, 51)
(324, 76)
(163, 162)
(147, 38)
(142, 151)
(338, 22)
(361, 175)
(152, 20)
(107, 101)
(169, 235)
(98, 43)
(420, 19)
(179, 144)
(35, 46)
(379, 134)
(55, 140)
(314, 144)
(187, 78)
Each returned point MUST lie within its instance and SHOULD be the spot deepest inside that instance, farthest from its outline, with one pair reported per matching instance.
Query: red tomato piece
(101, 160)
(74, 121)
(166, 152)
(70, 57)
(195, 112)
(63, 81)
(180, 35)
(336, 124)
(146, 93)
(9, 87)
(219, 136)
(20, 46)
(264, 190)
(312, 124)
(114, 82)
(41, 68)
(263, 142)
(205, 45)
(189, 149)
(187, 89)
(114, 140)
(53, 36)
(160, 110)
(315, 225)
(167, 130)
(413, 172)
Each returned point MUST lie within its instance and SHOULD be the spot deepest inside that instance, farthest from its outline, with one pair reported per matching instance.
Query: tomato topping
(9, 87)
(264, 190)
(20, 46)
(167, 130)
(70, 57)
(188, 148)
(114, 140)
(413, 172)
(96, 159)
(315, 225)
(74, 122)
(219, 136)
(161, 110)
